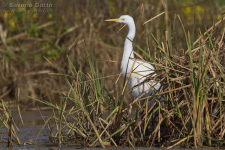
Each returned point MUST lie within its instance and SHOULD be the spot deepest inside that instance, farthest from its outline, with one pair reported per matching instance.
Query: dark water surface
(28, 130)
(33, 123)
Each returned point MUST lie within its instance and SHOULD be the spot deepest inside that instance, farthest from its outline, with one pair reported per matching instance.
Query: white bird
(141, 70)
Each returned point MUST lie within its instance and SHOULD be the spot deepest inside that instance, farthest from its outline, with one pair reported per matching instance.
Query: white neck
(128, 49)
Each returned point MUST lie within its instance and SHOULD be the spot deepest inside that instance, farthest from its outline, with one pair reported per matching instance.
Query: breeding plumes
(140, 70)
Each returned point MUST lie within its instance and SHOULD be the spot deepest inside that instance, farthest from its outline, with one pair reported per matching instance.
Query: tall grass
(49, 35)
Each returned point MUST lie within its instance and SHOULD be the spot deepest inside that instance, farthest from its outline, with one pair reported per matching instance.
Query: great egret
(141, 70)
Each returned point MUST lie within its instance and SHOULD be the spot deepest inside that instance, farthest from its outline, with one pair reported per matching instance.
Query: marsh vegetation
(69, 61)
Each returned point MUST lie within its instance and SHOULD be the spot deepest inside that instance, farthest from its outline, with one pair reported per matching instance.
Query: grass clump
(192, 79)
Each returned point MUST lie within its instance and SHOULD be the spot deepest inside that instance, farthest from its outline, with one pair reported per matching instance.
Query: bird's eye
(123, 19)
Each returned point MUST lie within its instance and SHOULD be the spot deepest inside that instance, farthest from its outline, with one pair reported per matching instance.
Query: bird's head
(126, 19)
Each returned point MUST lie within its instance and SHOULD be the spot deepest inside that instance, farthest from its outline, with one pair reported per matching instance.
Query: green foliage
(221, 3)
(8, 55)
(51, 51)
(32, 30)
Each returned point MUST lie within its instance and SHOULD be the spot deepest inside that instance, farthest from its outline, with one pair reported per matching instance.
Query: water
(28, 130)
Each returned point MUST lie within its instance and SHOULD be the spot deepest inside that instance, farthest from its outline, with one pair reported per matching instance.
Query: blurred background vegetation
(26, 38)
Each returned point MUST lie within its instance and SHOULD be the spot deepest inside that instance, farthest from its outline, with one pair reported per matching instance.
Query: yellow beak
(113, 19)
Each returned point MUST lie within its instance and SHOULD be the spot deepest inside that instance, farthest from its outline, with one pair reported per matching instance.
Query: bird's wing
(143, 69)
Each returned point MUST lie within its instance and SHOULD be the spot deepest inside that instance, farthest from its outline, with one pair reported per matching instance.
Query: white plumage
(141, 69)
